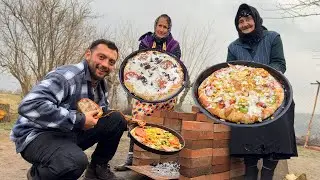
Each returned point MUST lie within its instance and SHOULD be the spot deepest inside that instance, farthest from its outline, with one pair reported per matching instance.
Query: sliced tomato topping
(140, 132)
(131, 74)
(221, 104)
(261, 104)
(162, 83)
(232, 101)
(166, 64)
(174, 141)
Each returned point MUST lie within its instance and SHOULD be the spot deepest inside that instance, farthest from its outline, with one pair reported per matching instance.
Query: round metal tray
(147, 148)
(121, 76)
(278, 75)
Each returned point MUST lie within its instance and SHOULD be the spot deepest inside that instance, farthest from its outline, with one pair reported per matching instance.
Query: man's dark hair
(109, 44)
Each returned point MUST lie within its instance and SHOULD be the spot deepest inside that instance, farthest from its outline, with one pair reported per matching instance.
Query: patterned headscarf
(169, 23)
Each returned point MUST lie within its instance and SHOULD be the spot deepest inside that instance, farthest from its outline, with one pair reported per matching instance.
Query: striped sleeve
(42, 104)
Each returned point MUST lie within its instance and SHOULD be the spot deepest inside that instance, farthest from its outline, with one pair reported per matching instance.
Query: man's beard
(95, 76)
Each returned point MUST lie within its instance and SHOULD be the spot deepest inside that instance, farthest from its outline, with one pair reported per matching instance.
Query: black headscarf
(256, 35)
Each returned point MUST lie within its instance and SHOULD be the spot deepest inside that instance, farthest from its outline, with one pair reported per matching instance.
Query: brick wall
(206, 153)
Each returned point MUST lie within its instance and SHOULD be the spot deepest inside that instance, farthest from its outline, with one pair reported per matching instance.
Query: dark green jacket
(268, 51)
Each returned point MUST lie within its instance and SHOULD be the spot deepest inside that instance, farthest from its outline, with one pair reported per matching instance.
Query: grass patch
(12, 99)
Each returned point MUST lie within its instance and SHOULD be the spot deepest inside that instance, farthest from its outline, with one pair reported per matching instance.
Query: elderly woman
(161, 39)
(276, 140)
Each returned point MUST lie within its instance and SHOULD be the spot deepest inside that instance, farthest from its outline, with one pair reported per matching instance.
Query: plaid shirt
(52, 104)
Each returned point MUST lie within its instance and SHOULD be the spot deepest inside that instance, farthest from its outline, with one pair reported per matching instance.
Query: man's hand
(91, 119)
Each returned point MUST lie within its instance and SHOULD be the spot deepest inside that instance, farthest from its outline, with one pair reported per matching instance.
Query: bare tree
(300, 8)
(126, 37)
(37, 36)
(197, 49)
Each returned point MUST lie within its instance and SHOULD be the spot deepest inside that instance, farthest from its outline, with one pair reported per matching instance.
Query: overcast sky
(300, 36)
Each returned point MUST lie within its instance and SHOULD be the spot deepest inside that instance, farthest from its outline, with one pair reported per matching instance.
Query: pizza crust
(153, 76)
(241, 94)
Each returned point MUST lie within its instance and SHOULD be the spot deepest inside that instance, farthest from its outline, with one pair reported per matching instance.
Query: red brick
(141, 162)
(195, 172)
(154, 120)
(195, 109)
(189, 153)
(169, 159)
(203, 118)
(233, 159)
(197, 126)
(221, 135)
(216, 160)
(237, 165)
(197, 135)
(137, 148)
(205, 177)
(237, 172)
(187, 116)
(221, 128)
(146, 155)
(195, 162)
(169, 156)
(172, 114)
(173, 123)
(219, 176)
(198, 144)
(219, 168)
(237, 178)
(220, 143)
(220, 152)
(159, 113)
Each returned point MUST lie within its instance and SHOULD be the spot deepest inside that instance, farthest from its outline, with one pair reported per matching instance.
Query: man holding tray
(51, 134)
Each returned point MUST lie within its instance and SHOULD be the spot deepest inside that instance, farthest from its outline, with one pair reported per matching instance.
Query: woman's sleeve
(230, 56)
(277, 59)
(142, 46)
(177, 52)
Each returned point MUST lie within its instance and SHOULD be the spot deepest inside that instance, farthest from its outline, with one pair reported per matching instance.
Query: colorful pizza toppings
(241, 94)
(152, 75)
(156, 138)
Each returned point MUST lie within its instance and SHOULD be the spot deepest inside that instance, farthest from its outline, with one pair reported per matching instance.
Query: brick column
(206, 152)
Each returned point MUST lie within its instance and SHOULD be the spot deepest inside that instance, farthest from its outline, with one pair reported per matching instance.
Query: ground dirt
(13, 167)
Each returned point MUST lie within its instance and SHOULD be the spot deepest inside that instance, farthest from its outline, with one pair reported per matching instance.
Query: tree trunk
(183, 96)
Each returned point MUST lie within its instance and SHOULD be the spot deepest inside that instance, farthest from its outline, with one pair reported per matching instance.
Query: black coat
(275, 140)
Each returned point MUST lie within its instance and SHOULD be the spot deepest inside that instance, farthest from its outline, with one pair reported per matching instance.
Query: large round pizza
(153, 75)
(241, 94)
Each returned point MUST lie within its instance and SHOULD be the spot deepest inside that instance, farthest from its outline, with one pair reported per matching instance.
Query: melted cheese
(151, 70)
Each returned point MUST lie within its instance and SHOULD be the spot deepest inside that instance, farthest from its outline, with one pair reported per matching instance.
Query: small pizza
(153, 75)
(156, 138)
(86, 105)
(241, 94)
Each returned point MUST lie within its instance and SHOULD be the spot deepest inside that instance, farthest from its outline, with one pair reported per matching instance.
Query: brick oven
(206, 153)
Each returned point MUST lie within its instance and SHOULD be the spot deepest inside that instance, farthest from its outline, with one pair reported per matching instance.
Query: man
(276, 140)
(51, 134)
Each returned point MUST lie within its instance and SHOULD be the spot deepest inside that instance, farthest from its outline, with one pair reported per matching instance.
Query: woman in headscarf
(276, 140)
(161, 39)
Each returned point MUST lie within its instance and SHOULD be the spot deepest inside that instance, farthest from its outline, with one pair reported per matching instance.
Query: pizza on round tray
(156, 138)
(153, 75)
(241, 94)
